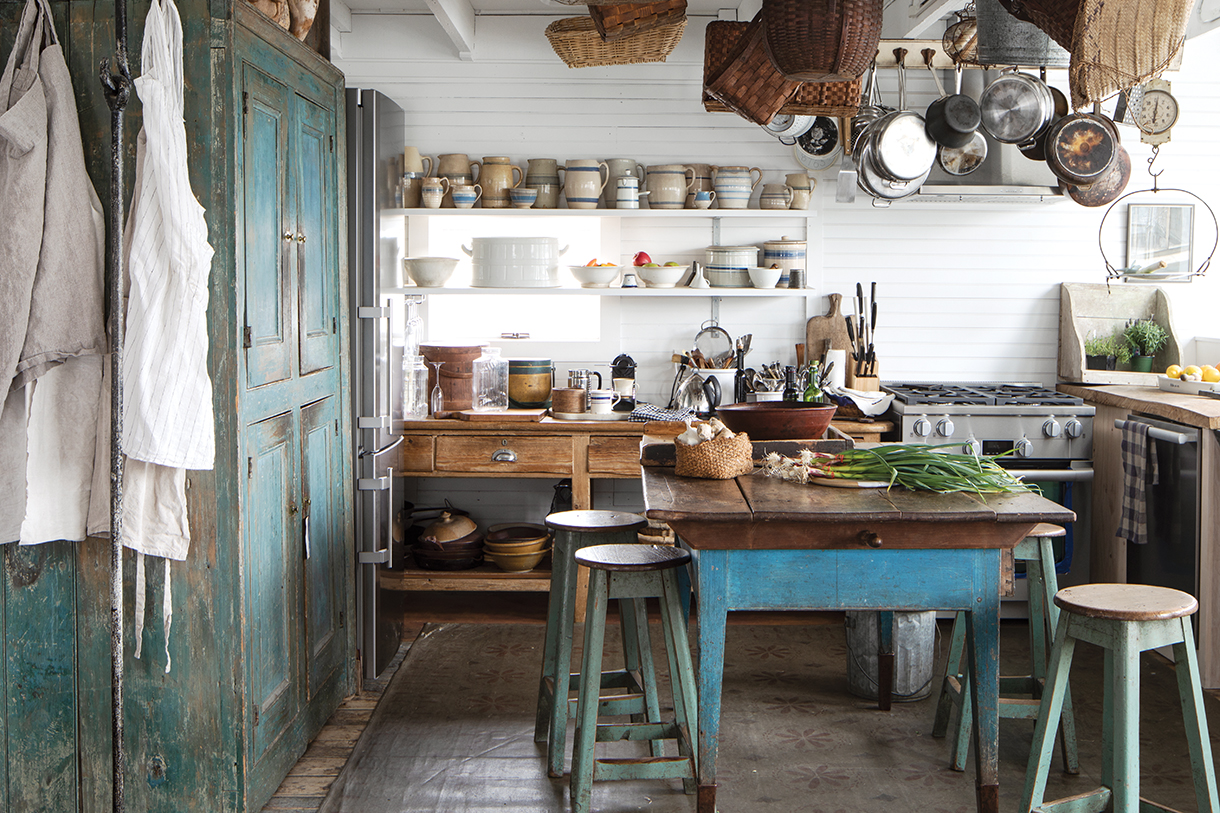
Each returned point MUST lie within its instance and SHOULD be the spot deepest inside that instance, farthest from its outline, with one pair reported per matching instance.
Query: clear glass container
(414, 388)
(489, 383)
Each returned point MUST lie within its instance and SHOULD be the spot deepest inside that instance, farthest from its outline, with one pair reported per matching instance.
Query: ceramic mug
(543, 174)
(584, 180)
(434, 191)
(619, 168)
(703, 182)
(603, 401)
(412, 161)
(627, 193)
(668, 185)
(704, 198)
(465, 195)
(775, 196)
(625, 387)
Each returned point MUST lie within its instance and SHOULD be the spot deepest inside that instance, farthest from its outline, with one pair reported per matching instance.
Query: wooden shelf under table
(484, 577)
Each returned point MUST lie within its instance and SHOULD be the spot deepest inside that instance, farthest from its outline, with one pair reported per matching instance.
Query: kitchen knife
(851, 335)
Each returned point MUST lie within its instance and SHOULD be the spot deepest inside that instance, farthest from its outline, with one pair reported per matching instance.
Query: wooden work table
(1108, 553)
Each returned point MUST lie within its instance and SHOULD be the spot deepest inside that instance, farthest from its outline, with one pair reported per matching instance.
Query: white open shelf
(649, 213)
(623, 292)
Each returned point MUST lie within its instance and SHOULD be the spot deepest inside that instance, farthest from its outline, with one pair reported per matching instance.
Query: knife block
(864, 383)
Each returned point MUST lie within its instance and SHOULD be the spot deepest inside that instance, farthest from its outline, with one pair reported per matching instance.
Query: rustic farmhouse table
(760, 543)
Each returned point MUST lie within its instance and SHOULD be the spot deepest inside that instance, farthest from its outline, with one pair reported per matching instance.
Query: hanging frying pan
(1081, 148)
(1036, 151)
(951, 120)
(1107, 189)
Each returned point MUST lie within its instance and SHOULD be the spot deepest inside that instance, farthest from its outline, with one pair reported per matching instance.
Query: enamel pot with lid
(1081, 148)
(1016, 107)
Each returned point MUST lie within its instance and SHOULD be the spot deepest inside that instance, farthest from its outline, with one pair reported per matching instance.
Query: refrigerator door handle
(380, 421)
(385, 555)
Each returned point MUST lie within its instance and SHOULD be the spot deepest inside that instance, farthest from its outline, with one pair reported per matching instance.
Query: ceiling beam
(457, 18)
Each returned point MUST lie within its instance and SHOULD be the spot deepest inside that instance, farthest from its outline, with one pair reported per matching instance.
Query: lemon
(1192, 370)
(1173, 371)
(1210, 373)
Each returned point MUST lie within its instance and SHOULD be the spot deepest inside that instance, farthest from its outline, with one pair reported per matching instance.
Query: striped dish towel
(648, 412)
(1139, 471)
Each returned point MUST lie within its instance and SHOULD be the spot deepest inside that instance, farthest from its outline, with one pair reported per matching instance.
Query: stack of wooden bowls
(517, 547)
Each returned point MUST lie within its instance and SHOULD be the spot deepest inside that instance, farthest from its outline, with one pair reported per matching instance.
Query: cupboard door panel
(270, 550)
(265, 223)
(321, 491)
(313, 177)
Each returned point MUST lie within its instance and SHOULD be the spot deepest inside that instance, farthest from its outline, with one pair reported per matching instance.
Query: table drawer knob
(871, 539)
(504, 456)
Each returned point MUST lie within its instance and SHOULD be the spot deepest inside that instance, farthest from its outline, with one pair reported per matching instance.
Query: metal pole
(116, 86)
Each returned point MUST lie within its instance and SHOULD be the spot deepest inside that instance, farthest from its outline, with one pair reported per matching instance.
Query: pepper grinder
(739, 380)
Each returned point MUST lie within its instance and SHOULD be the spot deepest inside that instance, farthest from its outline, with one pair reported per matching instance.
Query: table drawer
(505, 454)
(614, 455)
(415, 454)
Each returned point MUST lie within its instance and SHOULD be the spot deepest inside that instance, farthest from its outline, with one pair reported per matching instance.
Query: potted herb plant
(1106, 352)
(1144, 337)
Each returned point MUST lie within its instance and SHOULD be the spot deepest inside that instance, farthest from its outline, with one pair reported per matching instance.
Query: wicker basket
(1120, 45)
(715, 459)
(576, 41)
(810, 98)
(747, 83)
(623, 19)
(822, 40)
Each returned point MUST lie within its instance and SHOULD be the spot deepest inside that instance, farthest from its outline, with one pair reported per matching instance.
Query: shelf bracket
(715, 231)
(715, 303)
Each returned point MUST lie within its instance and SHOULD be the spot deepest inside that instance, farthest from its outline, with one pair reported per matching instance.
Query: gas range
(1032, 423)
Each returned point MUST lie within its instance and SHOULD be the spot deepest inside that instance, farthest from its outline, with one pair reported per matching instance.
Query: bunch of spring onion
(917, 467)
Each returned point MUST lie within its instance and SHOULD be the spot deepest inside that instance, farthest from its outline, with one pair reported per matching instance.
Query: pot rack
(115, 76)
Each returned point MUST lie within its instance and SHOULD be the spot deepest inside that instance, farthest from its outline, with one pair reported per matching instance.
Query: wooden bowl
(777, 420)
(517, 562)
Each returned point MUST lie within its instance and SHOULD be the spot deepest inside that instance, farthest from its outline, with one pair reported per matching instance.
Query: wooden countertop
(1192, 410)
(551, 426)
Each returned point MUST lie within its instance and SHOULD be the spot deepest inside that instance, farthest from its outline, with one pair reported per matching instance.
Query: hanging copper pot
(1081, 148)
(1108, 188)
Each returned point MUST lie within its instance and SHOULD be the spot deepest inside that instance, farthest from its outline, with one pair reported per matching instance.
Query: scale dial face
(1158, 111)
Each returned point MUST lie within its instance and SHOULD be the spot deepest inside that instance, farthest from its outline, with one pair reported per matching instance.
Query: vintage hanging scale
(1157, 113)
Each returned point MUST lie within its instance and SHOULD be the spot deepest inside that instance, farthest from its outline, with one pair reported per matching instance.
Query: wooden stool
(1037, 552)
(1125, 620)
(575, 530)
(633, 573)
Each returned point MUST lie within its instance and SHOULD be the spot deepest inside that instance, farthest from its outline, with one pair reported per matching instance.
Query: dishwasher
(1171, 557)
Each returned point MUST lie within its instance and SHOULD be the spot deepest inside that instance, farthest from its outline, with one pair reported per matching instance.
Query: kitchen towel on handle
(1139, 471)
(166, 390)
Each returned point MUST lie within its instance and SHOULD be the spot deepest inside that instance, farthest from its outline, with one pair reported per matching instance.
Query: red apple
(640, 259)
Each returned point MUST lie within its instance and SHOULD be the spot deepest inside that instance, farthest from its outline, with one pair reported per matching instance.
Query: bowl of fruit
(594, 274)
(659, 275)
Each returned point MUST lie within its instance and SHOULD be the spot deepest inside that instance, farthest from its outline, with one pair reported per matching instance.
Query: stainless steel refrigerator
(375, 131)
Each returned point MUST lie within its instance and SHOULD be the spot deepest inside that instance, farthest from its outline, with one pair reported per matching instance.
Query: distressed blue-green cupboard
(262, 641)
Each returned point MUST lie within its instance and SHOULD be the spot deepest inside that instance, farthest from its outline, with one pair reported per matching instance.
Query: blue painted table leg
(712, 615)
(885, 659)
(983, 646)
(1195, 719)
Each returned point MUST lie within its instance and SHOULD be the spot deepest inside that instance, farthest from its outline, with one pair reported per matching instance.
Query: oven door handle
(1177, 438)
(1055, 475)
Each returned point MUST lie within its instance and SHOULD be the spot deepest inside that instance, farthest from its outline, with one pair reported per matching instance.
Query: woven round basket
(575, 40)
(748, 82)
(822, 40)
(1117, 46)
(624, 19)
(715, 459)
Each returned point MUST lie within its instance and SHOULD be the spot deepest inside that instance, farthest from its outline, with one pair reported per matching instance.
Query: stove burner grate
(975, 394)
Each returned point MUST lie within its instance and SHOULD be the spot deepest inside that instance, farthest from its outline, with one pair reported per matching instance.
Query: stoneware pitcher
(802, 189)
(412, 161)
(733, 186)
(619, 168)
(703, 182)
(584, 180)
(543, 174)
(775, 196)
(497, 177)
(458, 169)
(668, 185)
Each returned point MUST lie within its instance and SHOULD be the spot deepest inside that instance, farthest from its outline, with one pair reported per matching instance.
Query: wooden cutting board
(528, 415)
(832, 326)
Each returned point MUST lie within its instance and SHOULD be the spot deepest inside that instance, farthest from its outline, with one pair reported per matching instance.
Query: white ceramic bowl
(764, 277)
(429, 272)
(594, 276)
(662, 276)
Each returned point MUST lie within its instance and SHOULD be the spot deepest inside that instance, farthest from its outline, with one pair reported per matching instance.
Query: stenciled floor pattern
(454, 733)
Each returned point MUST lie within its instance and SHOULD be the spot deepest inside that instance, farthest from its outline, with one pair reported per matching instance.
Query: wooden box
(1099, 309)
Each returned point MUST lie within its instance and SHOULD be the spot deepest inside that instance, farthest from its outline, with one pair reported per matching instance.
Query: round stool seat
(632, 557)
(594, 521)
(1045, 530)
(1126, 602)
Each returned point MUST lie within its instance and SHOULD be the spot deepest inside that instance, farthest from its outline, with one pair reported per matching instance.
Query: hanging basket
(748, 83)
(624, 19)
(810, 98)
(575, 40)
(822, 40)
(1120, 45)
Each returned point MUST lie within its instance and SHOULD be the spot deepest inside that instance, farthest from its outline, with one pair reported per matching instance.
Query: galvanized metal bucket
(914, 654)
(1005, 40)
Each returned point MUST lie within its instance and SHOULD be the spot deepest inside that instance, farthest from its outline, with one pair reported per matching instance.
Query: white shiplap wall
(966, 291)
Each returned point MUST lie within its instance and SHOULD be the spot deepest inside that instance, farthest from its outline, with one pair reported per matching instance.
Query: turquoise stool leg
(951, 686)
(1191, 692)
(1043, 585)
(637, 643)
(681, 669)
(586, 721)
(1044, 730)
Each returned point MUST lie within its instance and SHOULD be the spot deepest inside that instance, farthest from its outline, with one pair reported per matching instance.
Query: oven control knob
(1052, 429)
(973, 447)
(1073, 428)
(944, 428)
(1024, 447)
(922, 427)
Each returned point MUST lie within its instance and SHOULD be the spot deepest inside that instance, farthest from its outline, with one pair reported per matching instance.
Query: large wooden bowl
(777, 420)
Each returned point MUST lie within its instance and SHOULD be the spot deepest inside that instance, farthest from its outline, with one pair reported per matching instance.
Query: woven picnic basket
(822, 40)
(624, 19)
(810, 98)
(747, 83)
(575, 40)
(1117, 46)
(715, 459)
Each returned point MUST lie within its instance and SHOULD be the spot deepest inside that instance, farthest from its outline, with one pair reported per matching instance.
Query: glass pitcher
(490, 382)
(415, 388)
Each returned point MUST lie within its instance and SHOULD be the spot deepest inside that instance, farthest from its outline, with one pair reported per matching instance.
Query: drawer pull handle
(504, 456)
(871, 539)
